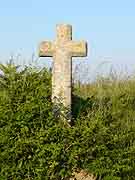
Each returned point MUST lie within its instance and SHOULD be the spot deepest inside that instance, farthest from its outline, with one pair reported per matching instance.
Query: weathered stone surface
(82, 175)
(62, 50)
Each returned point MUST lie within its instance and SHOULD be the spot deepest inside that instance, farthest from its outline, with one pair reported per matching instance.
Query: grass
(34, 145)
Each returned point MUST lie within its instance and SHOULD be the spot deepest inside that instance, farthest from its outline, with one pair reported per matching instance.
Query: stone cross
(62, 50)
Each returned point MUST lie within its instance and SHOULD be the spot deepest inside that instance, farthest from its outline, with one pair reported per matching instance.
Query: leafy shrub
(34, 145)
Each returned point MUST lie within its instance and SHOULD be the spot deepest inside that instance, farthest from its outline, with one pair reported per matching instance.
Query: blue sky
(108, 26)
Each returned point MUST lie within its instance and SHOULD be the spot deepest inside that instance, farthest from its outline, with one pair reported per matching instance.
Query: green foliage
(34, 145)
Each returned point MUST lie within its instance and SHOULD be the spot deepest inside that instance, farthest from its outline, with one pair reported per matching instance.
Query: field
(36, 146)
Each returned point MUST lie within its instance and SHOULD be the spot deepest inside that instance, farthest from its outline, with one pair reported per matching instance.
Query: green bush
(34, 145)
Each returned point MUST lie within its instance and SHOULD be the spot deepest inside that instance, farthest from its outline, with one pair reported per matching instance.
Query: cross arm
(78, 49)
(46, 49)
